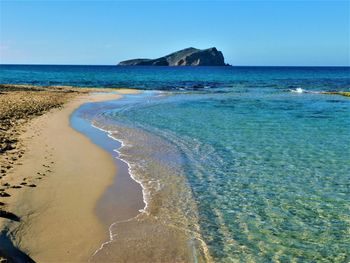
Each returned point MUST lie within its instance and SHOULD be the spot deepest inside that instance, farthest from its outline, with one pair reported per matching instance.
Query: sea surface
(251, 164)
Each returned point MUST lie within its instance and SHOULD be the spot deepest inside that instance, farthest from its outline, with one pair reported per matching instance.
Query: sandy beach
(54, 178)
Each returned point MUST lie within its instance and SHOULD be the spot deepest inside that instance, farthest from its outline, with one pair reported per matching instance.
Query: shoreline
(162, 231)
(124, 199)
(58, 216)
(117, 150)
(44, 216)
(132, 177)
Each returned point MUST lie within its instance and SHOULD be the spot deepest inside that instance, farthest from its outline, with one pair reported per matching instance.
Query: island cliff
(186, 57)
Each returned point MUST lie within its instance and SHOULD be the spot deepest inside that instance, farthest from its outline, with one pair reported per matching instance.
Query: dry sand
(61, 175)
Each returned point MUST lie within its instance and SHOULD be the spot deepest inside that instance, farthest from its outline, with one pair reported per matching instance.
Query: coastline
(61, 165)
(58, 205)
(166, 229)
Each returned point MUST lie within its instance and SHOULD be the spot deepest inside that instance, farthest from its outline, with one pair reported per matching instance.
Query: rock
(341, 93)
(4, 194)
(186, 57)
(9, 215)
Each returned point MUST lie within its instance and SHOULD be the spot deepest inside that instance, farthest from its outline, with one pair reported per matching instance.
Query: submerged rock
(186, 57)
(341, 93)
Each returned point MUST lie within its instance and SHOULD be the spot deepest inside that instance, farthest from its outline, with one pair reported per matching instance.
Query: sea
(242, 164)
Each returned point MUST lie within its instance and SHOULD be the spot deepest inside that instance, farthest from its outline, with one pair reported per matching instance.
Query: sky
(249, 33)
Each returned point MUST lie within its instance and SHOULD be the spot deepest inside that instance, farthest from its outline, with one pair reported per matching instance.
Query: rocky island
(186, 57)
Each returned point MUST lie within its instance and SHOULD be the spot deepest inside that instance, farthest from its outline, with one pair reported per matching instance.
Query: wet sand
(54, 188)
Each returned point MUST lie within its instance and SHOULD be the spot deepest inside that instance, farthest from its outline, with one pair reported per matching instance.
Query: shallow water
(258, 174)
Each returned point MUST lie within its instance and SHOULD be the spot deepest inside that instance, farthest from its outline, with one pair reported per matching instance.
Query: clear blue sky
(261, 32)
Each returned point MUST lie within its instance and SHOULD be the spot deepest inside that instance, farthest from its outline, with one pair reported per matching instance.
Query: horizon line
(116, 65)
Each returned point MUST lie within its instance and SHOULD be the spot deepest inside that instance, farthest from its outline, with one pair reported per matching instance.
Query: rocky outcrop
(186, 57)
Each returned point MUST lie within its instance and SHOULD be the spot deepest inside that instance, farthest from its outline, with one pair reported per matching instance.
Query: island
(185, 57)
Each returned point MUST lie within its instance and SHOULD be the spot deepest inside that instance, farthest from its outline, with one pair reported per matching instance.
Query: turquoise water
(269, 170)
(256, 171)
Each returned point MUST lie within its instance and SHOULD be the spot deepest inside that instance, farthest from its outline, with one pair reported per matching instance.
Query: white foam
(144, 192)
(297, 90)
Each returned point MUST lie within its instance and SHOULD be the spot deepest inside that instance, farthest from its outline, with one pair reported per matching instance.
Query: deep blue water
(261, 172)
(331, 78)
